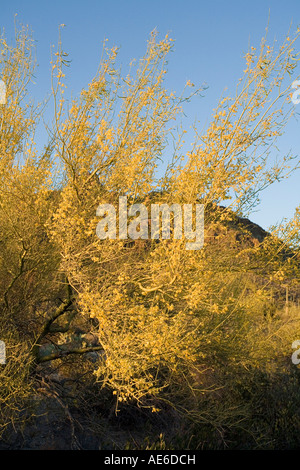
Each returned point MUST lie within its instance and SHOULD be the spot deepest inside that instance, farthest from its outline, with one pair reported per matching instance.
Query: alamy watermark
(2, 92)
(155, 225)
(296, 354)
(296, 94)
(2, 353)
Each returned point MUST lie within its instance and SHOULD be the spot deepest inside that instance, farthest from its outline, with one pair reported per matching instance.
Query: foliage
(171, 327)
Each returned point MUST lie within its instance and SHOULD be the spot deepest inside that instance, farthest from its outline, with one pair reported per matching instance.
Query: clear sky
(211, 38)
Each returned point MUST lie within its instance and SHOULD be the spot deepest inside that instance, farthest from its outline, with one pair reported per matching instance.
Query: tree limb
(61, 354)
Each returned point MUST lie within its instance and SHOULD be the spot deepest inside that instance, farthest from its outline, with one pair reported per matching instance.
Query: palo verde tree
(157, 305)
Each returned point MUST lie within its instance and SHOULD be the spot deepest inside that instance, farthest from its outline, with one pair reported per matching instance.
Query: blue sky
(211, 38)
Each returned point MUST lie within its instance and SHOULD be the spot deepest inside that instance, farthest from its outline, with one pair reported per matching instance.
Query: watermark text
(2, 92)
(136, 223)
